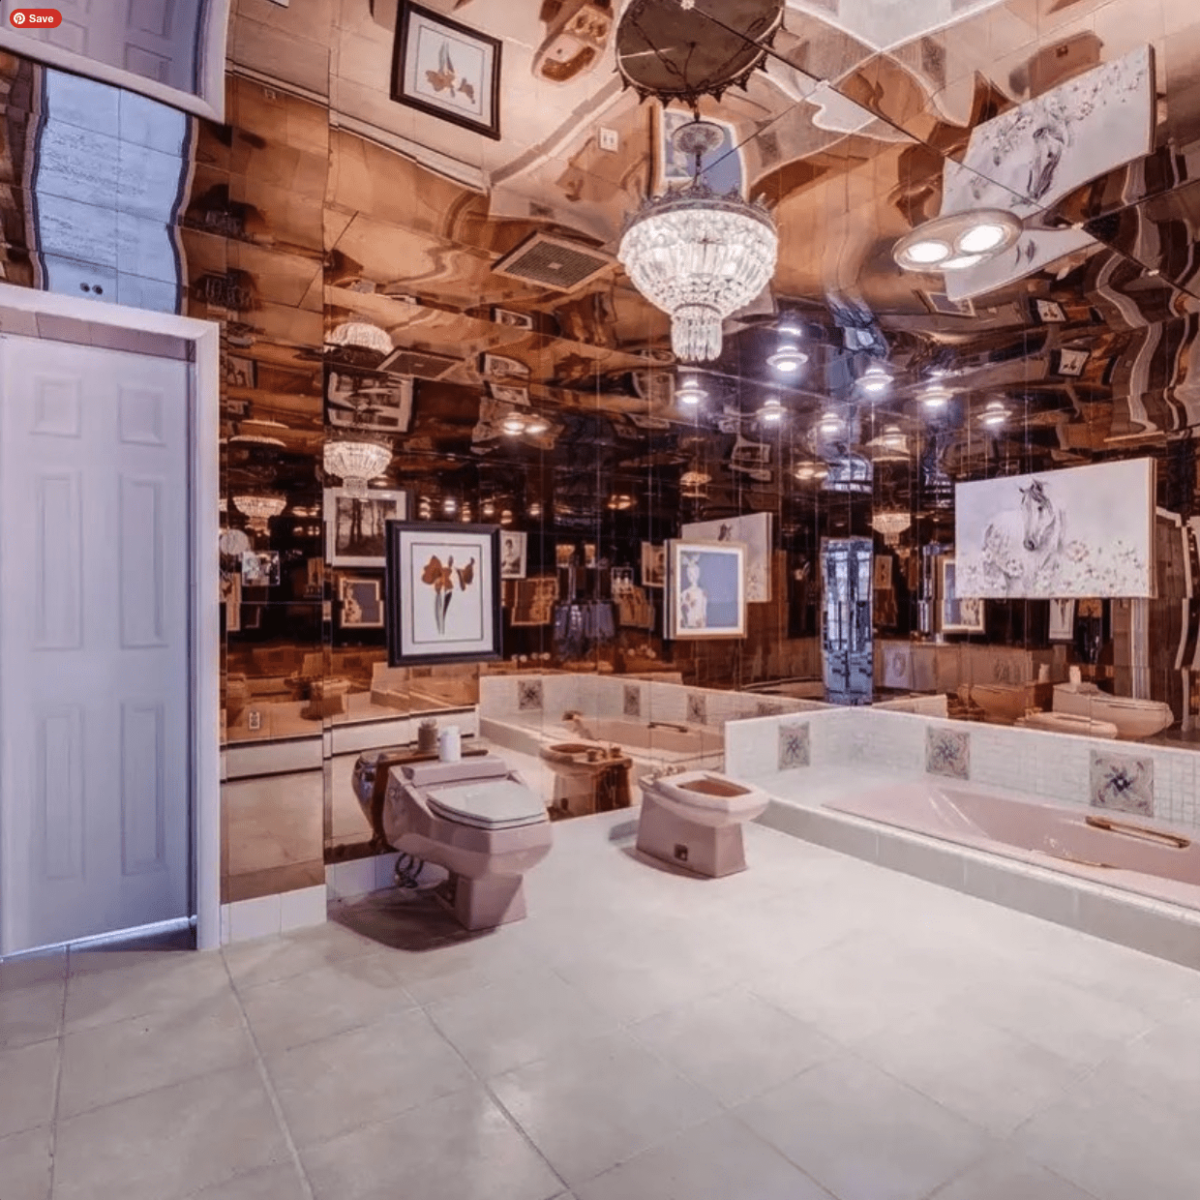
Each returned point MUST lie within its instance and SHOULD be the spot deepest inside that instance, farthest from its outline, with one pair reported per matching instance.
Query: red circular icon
(36, 18)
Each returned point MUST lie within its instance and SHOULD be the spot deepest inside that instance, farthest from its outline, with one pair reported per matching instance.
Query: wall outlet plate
(609, 139)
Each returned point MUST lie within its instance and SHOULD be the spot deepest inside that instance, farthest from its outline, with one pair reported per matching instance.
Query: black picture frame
(406, 44)
(398, 596)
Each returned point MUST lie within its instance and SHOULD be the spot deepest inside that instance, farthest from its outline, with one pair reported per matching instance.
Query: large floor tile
(265, 960)
(719, 1160)
(25, 1165)
(861, 985)
(27, 1081)
(170, 1143)
(324, 1001)
(863, 1135)
(988, 1075)
(102, 988)
(461, 1147)
(1109, 1141)
(364, 1076)
(594, 1104)
(517, 1021)
(30, 1013)
(1005, 1175)
(734, 1044)
(120, 1059)
(281, 1182)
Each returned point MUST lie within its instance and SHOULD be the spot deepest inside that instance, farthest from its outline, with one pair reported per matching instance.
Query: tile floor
(816, 1027)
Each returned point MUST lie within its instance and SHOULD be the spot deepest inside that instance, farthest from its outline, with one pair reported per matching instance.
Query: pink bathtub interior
(1119, 849)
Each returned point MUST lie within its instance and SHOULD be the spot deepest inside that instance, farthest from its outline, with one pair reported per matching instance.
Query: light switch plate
(609, 139)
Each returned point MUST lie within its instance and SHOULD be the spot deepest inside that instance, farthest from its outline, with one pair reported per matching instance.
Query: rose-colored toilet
(695, 820)
(480, 821)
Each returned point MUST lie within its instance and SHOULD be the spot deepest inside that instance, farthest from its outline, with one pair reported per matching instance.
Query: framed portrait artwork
(1062, 620)
(959, 615)
(706, 589)
(443, 593)
(361, 602)
(654, 565)
(447, 70)
(755, 531)
(513, 549)
(355, 527)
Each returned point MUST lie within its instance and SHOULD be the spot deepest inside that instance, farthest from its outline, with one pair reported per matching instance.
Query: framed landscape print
(706, 589)
(362, 603)
(447, 70)
(355, 528)
(443, 593)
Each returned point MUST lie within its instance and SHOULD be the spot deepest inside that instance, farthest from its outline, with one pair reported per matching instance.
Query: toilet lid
(488, 804)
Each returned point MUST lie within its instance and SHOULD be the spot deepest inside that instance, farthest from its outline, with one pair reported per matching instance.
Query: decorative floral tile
(697, 709)
(1123, 782)
(633, 700)
(795, 745)
(529, 695)
(948, 753)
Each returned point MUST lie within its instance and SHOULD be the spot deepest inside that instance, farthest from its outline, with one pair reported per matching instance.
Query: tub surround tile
(948, 753)
(1122, 782)
(631, 703)
(697, 708)
(529, 695)
(795, 745)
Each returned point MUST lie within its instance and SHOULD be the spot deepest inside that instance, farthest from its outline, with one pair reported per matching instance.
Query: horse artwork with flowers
(1085, 531)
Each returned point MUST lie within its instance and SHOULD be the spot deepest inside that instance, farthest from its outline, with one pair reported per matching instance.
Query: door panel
(94, 688)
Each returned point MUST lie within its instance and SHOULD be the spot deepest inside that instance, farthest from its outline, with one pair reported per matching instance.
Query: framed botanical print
(447, 70)
(443, 593)
(361, 602)
(706, 589)
(959, 615)
(355, 526)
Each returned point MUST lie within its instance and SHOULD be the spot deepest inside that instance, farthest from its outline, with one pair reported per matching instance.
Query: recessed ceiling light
(957, 241)
(788, 359)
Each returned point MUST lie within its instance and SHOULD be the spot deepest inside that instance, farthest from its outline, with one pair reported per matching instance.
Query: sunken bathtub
(1122, 850)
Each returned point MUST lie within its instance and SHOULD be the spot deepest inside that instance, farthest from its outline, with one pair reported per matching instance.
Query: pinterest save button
(35, 18)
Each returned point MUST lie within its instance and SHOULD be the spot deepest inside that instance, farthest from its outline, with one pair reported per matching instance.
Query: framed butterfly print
(447, 70)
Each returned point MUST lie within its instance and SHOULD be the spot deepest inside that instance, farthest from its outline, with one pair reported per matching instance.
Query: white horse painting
(1021, 545)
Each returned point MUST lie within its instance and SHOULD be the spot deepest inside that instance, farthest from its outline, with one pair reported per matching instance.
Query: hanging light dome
(355, 463)
(260, 510)
(891, 525)
(697, 255)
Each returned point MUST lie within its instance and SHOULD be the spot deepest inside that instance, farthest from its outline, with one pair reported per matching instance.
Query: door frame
(20, 308)
(209, 99)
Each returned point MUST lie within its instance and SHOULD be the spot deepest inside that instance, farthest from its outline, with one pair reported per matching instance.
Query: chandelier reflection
(260, 510)
(355, 463)
(697, 255)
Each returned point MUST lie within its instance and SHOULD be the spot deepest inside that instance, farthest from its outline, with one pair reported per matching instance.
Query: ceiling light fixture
(697, 255)
(690, 391)
(513, 424)
(829, 423)
(994, 413)
(788, 359)
(260, 510)
(535, 509)
(875, 380)
(356, 462)
(957, 241)
(536, 426)
(620, 503)
(771, 412)
(936, 395)
(891, 525)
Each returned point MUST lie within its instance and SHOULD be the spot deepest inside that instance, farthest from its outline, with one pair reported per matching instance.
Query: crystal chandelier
(697, 255)
(891, 525)
(362, 336)
(356, 462)
(260, 510)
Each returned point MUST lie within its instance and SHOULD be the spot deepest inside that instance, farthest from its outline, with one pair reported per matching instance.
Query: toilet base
(483, 903)
(701, 849)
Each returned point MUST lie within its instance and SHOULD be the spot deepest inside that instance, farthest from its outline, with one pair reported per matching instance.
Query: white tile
(592, 1105)
(862, 1135)
(719, 1160)
(255, 918)
(303, 908)
(350, 880)
(1005, 1175)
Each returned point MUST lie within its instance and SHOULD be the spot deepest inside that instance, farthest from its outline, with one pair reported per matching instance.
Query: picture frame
(941, 305)
(231, 597)
(360, 602)
(534, 600)
(260, 568)
(1049, 312)
(755, 530)
(356, 527)
(723, 168)
(705, 589)
(654, 565)
(500, 366)
(239, 371)
(622, 581)
(958, 615)
(1071, 363)
(443, 593)
(447, 70)
(1062, 620)
(371, 401)
(512, 320)
(504, 393)
(513, 551)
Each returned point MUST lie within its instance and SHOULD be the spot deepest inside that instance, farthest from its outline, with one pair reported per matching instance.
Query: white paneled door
(94, 686)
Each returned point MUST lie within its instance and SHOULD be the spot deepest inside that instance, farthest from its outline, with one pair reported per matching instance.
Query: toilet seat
(487, 804)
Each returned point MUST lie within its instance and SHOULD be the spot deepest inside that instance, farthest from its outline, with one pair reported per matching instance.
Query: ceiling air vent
(549, 262)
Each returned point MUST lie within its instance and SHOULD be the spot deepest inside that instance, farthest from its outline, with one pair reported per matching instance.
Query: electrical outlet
(681, 853)
(609, 139)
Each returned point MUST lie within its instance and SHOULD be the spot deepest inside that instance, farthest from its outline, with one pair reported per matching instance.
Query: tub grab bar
(1138, 831)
